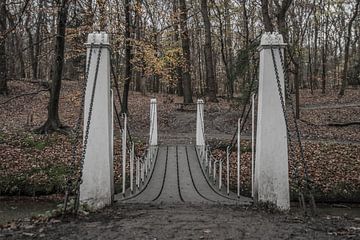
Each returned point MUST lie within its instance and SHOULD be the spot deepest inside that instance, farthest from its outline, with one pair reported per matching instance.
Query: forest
(201, 48)
(178, 51)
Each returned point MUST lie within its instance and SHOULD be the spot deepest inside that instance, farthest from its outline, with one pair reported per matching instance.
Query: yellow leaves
(149, 60)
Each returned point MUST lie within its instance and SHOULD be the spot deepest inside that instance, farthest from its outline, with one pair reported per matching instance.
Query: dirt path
(191, 222)
(329, 106)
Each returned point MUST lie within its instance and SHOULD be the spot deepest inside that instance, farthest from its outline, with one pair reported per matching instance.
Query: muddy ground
(190, 222)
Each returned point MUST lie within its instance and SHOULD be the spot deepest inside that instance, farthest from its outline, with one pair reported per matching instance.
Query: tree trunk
(137, 72)
(178, 70)
(315, 62)
(324, 56)
(186, 52)
(3, 69)
(128, 56)
(37, 40)
(53, 121)
(269, 27)
(208, 53)
(347, 48)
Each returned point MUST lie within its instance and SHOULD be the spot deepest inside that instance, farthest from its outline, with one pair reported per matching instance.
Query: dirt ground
(32, 164)
(189, 222)
(39, 162)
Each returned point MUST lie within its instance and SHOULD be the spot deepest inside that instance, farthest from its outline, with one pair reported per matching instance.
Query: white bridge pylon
(269, 171)
(97, 187)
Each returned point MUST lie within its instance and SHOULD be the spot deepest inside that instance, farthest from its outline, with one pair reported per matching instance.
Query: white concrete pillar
(271, 168)
(200, 139)
(153, 138)
(97, 187)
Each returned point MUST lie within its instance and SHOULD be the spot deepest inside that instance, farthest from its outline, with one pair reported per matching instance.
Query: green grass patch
(31, 142)
(36, 181)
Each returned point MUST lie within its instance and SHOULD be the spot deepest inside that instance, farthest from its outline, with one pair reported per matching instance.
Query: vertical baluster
(227, 170)
(124, 155)
(238, 158)
(252, 144)
(132, 167)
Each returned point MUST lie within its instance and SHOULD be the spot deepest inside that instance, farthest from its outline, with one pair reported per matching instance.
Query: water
(24, 208)
(341, 210)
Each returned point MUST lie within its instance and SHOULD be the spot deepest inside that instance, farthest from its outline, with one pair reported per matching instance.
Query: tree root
(51, 126)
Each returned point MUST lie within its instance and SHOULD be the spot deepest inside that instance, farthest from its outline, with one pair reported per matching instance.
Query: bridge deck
(177, 177)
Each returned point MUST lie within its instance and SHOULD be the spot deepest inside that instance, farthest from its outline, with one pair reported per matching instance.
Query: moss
(31, 142)
(36, 181)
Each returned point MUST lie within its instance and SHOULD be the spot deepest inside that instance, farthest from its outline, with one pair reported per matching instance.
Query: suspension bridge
(184, 173)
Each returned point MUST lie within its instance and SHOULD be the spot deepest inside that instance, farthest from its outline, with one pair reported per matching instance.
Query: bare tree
(347, 49)
(128, 56)
(210, 76)
(178, 70)
(53, 122)
(269, 27)
(186, 52)
(3, 69)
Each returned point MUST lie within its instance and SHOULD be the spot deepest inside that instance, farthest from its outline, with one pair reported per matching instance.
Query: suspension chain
(87, 130)
(290, 144)
(297, 131)
(76, 133)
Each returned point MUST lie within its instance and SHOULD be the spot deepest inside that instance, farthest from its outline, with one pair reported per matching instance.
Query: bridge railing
(217, 167)
(139, 166)
(212, 166)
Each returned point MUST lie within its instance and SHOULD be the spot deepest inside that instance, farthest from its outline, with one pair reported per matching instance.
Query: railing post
(227, 170)
(132, 155)
(206, 158)
(238, 157)
(142, 171)
(209, 166)
(200, 131)
(214, 174)
(252, 143)
(138, 172)
(153, 137)
(146, 162)
(220, 175)
(124, 136)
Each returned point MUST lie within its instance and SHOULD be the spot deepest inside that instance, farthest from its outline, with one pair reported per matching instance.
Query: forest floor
(33, 165)
(188, 222)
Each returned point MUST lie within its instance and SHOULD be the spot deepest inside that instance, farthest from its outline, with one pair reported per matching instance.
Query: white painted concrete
(252, 144)
(271, 167)
(97, 187)
(153, 138)
(124, 152)
(200, 139)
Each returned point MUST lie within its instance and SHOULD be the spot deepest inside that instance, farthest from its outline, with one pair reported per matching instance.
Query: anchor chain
(86, 136)
(76, 133)
(289, 134)
(298, 135)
